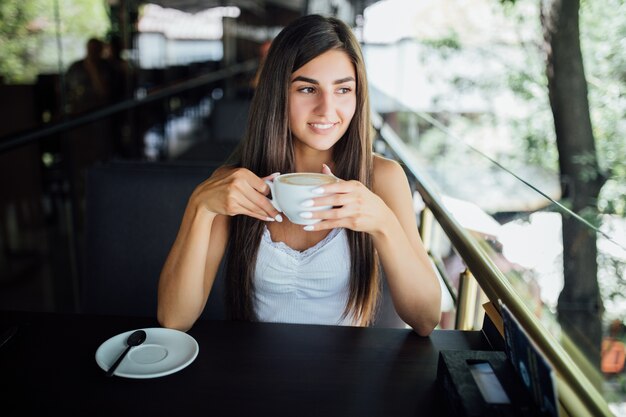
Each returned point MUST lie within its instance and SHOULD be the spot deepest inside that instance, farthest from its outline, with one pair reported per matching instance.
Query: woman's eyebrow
(312, 81)
(344, 80)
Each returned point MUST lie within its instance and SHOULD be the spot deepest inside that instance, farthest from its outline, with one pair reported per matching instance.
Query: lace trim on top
(283, 247)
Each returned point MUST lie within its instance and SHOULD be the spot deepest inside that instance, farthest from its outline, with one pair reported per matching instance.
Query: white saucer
(164, 352)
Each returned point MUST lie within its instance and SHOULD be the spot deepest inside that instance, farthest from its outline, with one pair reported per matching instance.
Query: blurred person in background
(89, 80)
(88, 84)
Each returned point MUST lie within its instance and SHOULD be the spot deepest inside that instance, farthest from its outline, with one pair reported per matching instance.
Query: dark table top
(242, 369)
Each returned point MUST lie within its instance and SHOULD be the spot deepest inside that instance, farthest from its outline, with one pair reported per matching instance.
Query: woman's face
(322, 100)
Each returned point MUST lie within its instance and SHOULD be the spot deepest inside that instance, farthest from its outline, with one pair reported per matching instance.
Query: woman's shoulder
(385, 169)
(390, 183)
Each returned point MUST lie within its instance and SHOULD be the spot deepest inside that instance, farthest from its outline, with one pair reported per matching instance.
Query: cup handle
(273, 199)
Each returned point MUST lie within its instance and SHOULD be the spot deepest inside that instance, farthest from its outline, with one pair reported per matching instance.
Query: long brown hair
(267, 147)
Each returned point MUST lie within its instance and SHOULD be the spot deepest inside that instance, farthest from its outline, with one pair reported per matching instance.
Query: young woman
(310, 113)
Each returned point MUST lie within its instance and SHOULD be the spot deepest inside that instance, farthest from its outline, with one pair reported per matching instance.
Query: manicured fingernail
(307, 203)
(306, 214)
(275, 174)
(318, 190)
(279, 218)
(308, 228)
(269, 219)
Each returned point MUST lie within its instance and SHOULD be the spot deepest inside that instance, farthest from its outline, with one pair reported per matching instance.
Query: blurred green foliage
(602, 34)
(28, 34)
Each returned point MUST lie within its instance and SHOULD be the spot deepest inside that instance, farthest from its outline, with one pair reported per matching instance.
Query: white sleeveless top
(309, 287)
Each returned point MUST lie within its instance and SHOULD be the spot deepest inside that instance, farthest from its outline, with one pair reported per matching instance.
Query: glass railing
(515, 214)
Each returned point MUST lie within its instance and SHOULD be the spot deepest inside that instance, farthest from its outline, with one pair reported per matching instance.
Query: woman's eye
(344, 90)
(307, 90)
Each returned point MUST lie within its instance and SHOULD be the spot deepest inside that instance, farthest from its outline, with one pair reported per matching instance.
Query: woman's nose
(325, 104)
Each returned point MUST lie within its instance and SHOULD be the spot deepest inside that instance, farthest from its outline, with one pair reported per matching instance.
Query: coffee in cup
(289, 191)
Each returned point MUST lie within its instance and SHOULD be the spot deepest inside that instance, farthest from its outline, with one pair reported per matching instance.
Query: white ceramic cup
(289, 191)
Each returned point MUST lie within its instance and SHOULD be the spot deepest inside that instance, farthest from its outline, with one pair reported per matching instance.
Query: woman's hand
(233, 191)
(355, 207)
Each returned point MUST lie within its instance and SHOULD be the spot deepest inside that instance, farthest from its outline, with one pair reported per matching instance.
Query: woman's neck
(311, 160)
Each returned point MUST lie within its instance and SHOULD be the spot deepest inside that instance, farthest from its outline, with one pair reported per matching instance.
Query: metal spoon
(135, 339)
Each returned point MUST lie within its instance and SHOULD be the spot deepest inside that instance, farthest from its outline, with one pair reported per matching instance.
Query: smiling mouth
(322, 126)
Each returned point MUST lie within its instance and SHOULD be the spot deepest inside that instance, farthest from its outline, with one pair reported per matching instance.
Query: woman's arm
(190, 268)
(189, 271)
(387, 215)
(413, 284)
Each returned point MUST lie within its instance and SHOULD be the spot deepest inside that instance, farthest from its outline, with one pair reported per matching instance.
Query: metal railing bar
(468, 287)
(24, 138)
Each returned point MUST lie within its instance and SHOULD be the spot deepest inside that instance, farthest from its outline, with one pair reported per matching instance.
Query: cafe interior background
(463, 83)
